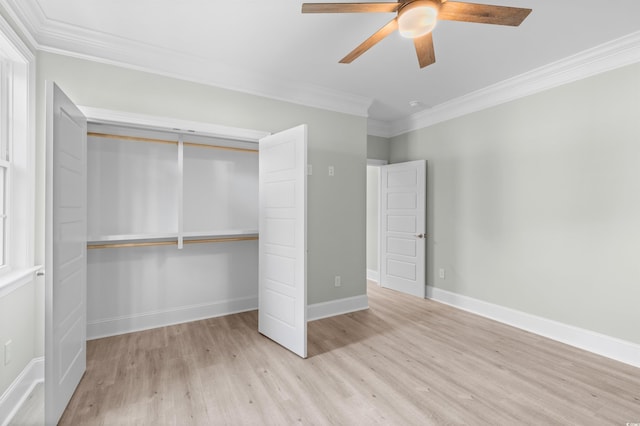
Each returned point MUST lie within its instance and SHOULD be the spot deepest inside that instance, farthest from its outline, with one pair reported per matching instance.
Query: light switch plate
(7, 352)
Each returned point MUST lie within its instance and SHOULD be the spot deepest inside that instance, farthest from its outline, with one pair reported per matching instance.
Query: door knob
(420, 235)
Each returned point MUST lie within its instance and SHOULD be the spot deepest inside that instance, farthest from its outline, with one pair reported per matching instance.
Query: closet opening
(172, 228)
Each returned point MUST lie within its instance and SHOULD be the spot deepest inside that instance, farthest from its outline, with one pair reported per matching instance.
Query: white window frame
(17, 109)
(5, 184)
(5, 157)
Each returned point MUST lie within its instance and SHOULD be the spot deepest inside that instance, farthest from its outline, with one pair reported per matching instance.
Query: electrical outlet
(442, 273)
(337, 281)
(332, 171)
(7, 352)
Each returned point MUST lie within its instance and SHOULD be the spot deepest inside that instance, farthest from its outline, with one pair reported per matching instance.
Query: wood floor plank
(403, 361)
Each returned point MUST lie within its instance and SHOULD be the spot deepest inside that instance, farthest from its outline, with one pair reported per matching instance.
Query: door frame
(376, 163)
(105, 116)
(425, 233)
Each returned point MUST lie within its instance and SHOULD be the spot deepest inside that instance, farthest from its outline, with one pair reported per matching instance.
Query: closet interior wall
(172, 228)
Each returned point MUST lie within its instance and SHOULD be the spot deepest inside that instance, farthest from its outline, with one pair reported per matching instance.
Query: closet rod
(170, 243)
(131, 138)
(169, 142)
(228, 148)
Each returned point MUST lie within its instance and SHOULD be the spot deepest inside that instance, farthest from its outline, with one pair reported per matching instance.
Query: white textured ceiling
(270, 44)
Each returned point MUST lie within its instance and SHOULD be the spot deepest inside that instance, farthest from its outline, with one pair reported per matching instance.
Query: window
(5, 166)
(17, 153)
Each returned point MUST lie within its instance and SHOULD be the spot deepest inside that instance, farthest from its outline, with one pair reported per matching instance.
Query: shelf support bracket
(180, 192)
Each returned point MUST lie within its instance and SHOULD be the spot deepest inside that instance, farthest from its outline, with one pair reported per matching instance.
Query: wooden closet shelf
(169, 142)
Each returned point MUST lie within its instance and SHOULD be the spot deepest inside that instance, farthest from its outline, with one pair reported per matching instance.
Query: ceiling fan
(416, 19)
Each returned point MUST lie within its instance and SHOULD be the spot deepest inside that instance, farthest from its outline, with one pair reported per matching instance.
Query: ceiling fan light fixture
(417, 18)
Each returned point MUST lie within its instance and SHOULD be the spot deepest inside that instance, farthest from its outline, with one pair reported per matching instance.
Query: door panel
(403, 224)
(65, 263)
(282, 246)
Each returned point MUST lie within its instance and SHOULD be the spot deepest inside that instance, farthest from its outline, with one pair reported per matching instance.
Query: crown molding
(605, 57)
(379, 128)
(19, 47)
(60, 38)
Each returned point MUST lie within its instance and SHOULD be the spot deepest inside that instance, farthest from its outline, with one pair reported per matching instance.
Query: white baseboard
(610, 347)
(15, 395)
(373, 275)
(337, 307)
(147, 320)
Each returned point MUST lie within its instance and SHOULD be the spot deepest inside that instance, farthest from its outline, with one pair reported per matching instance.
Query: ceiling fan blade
(349, 7)
(390, 27)
(482, 13)
(424, 49)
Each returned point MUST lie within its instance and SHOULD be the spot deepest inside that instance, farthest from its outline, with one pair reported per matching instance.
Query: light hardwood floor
(404, 361)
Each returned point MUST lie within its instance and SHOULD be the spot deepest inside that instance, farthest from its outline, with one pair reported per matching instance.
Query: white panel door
(282, 306)
(65, 256)
(402, 227)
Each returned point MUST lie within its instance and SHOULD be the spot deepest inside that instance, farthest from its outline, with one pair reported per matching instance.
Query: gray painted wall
(377, 148)
(535, 204)
(336, 205)
(18, 324)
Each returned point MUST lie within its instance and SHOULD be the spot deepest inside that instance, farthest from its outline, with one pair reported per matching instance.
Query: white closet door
(65, 257)
(402, 227)
(283, 233)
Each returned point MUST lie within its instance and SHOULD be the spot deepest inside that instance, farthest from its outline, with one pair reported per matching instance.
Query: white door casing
(282, 311)
(65, 252)
(402, 227)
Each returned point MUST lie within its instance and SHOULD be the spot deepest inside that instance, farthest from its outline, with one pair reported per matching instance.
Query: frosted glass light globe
(417, 19)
